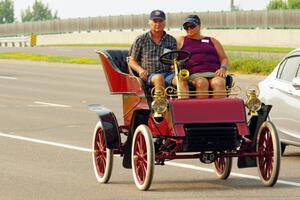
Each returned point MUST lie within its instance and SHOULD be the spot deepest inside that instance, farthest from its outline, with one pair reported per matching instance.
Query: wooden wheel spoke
(140, 172)
(138, 147)
(98, 145)
(141, 144)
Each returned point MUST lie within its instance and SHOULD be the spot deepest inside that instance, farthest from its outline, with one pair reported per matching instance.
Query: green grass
(244, 65)
(249, 65)
(47, 58)
(88, 45)
(258, 49)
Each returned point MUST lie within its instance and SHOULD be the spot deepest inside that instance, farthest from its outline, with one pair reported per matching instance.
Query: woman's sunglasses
(189, 26)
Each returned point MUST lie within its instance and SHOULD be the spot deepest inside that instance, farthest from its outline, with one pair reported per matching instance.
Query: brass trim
(172, 92)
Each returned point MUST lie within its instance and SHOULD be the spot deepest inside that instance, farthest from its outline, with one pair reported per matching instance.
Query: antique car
(282, 89)
(162, 126)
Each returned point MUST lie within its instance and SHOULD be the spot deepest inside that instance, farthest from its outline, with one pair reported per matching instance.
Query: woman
(208, 63)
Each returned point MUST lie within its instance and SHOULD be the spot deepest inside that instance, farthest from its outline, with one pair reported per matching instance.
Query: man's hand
(143, 74)
(221, 72)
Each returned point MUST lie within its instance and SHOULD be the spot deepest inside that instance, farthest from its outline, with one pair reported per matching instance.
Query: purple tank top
(204, 56)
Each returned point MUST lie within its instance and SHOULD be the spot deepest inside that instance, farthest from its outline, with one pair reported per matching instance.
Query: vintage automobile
(282, 89)
(161, 126)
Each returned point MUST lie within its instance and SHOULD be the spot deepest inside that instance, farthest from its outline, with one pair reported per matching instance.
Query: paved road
(46, 134)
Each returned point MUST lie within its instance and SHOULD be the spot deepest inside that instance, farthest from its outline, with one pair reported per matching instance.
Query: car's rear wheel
(223, 167)
(102, 156)
(268, 148)
(142, 155)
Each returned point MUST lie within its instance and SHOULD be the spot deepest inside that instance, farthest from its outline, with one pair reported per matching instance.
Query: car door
(286, 100)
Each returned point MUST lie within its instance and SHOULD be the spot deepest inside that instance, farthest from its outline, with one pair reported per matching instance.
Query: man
(146, 50)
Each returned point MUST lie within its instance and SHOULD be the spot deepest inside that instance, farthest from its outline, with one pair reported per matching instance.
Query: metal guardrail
(284, 19)
(14, 41)
(21, 41)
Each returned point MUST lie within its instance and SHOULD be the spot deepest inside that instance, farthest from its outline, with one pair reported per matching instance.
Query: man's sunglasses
(189, 26)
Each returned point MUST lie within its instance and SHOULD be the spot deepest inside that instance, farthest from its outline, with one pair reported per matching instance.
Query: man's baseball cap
(192, 19)
(157, 14)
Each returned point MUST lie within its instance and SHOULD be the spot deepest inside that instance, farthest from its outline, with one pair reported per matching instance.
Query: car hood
(226, 110)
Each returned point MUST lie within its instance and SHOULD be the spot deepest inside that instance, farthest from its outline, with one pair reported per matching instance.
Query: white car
(282, 90)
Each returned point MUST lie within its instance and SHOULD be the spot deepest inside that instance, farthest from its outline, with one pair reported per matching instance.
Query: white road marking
(66, 146)
(8, 77)
(187, 166)
(175, 164)
(51, 104)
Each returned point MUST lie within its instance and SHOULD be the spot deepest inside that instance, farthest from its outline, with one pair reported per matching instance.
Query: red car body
(213, 130)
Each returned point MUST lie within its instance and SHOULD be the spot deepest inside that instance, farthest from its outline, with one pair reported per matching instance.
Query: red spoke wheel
(268, 159)
(142, 156)
(102, 156)
(223, 167)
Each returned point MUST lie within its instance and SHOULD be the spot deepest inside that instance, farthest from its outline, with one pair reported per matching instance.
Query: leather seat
(118, 59)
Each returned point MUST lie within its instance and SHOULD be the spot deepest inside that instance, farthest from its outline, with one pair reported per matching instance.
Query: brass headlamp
(159, 103)
(184, 74)
(252, 102)
(159, 106)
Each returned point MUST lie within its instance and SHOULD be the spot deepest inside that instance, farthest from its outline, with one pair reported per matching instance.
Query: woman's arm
(221, 53)
(179, 42)
(222, 58)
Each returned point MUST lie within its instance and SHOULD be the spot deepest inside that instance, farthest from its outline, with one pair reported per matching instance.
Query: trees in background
(294, 4)
(38, 12)
(283, 4)
(6, 11)
(277, 5)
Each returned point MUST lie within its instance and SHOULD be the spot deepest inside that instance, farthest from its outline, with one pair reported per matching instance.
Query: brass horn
(184, 74)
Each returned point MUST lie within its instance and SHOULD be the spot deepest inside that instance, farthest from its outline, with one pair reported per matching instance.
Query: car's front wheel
(142, 156)
(102, 156)
(269, 154)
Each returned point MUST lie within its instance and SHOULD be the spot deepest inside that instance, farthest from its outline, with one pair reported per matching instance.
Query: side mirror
(296, 82)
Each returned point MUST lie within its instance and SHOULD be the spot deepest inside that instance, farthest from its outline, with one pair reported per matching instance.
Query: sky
(92, 8)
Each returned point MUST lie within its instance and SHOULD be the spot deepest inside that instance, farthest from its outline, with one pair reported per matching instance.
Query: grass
(88, 45)
(245, 65)
(258, 49)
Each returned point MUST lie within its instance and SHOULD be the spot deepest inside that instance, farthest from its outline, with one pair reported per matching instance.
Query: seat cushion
(118, 59)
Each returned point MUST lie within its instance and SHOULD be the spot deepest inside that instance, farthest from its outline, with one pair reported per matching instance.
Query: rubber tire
(109, 159)
(143, 130)
(276, 156)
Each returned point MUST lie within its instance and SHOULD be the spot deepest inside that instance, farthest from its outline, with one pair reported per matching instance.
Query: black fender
(109, 124)
(254, 124)
(256, 121)
(139, 117)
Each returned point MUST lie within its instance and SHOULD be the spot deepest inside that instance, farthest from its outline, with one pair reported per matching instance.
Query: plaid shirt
(147, 53)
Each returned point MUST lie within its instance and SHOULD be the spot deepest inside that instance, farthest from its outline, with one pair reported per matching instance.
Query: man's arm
(139, 69)
(135, 55)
